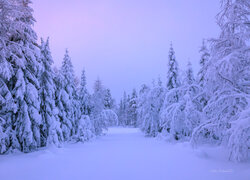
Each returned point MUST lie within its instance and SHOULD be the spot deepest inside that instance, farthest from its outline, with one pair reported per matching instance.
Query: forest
(42, 105)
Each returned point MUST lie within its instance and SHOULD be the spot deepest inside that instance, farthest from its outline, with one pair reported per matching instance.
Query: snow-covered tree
(97, 103)
(142, 104)
(83, 124)
(51, 132)
(172, 74)
(123, 110)
(84, 95)
(67, 94)
(151, 117)
(110, 117)
(205, 55)
(180, 115)
(132, 109)
(120, 113)
(108, 100)
(228, 81)
(24, 57)
(84, 130)
(170, 108)
(189, 75)
(7, 105)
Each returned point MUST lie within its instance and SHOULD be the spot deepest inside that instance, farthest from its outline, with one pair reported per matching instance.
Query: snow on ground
(123, 154)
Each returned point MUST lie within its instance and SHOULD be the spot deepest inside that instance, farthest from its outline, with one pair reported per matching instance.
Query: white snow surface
(123, 154)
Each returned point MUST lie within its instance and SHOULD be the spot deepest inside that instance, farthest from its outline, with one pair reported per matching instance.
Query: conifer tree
(205, 55)
(51, 132)
(108, 100)
(151, 119)
(84, 96)
(24, 58)
(97, 101)
(173, 96)
(7, 105)
(172, 74)
(132, 109)
(67, 97)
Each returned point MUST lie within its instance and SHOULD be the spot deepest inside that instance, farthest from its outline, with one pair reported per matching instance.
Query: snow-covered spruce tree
(123, 110)
(202, 98)
(120, 113)
(23, 54)
(51, 132)
(97, 107)
(108, 100)
(181, 112)
(205, 55)
(132, 109)
(66, 97)
(227, 79)
(151, 117)
(172, 74)
(142, 104)
(109, 112)
(7, 106)
(188, 107)
(84, 127)
(170, 109)
(84, 95)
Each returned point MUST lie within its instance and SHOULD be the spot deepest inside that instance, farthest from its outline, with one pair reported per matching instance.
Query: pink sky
(125, 42)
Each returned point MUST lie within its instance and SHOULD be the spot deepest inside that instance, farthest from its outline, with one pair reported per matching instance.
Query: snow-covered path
(123, 154)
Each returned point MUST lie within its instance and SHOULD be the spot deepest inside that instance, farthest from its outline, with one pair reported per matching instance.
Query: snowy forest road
(122, 154)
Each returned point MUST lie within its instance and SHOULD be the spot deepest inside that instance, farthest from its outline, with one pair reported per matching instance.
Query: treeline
(40, 105)
(211, 108)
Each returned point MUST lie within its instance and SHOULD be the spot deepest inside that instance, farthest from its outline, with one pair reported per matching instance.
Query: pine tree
(205, 55)
(189, 77)
(142, 104)
(97, 101)
(151, 118)
(108, 100)
(50, 131)
(172, 75)
(24, 85)
(84, 127)
(7, 105)
(132, 109)
(67, 97)
(123, 112)
(84, 96)
(120, 113)
(173, 96)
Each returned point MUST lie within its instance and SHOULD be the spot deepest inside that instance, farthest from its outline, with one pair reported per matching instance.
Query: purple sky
(125, 42)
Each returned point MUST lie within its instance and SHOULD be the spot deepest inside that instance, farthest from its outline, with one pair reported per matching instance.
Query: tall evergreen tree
(173, 96)
(123, 113)
(205, 55)
(151, 119)
(189, 76)
(142, 104)
(172, 74)
(97, 108)
(108, 100)
(50, 131)
(132, 109)
(84, 96)
(67, 96)
(24, 84)
(7, 105)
